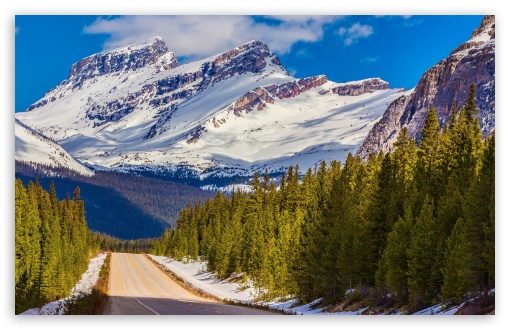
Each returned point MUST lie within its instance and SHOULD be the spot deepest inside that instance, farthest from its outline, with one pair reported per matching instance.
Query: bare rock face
(125, 59)
(258, 97)
(441, 85)
(384, 133)
(250, 57)
(362, 87)
(195, 134)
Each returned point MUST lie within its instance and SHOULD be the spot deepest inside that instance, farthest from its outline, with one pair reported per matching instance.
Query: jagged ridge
(199, 116)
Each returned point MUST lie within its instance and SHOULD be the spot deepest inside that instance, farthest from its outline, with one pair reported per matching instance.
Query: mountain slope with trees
(412, 227)
(118, 204)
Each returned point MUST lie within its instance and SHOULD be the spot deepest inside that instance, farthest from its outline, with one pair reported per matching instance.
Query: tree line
(52, 244)
(114, 244)
(416, 224)
(122, 205)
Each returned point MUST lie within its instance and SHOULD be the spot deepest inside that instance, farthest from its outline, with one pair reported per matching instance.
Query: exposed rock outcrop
(250, 57)
(360, 87)
(384, 133)
(441, 85)
(152, 52)
(258, 97)
(123, 59)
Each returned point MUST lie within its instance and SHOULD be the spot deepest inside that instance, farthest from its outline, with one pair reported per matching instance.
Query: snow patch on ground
(83, 287)
(195, 273)
(438, 310)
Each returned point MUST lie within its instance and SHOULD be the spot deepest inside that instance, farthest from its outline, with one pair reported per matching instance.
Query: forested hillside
(411, 228)
(122, 205)
(52, 244)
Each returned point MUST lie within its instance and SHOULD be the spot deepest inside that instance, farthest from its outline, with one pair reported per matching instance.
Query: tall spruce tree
(427, 175)
(422, 256)
(392, 273)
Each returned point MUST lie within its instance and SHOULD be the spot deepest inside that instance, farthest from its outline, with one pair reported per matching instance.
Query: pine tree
(479, 208)
(422, 256)
(392, 272)
(27, 289)
(427, 175)
(382, 212)
(470, 109)
(459, 264)
(404, 160)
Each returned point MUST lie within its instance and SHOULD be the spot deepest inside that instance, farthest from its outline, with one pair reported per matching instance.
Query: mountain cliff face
(441, 85)
(137, 109)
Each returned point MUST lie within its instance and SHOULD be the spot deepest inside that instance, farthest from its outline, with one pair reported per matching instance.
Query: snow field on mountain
(198, 128)
(304, 129)
(33, 147)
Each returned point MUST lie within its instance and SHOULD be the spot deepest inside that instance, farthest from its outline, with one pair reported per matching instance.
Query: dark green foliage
(114, 244)
(392, 272)
(52, 245)
(415, 226)
(421, 256)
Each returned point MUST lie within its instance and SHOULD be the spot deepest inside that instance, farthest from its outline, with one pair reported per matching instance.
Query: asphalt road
(138, 287)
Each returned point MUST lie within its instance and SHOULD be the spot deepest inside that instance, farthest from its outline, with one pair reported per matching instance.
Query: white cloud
(370, 59)
(412, 22)
(199, 36)
(355, 32)
(303, 52)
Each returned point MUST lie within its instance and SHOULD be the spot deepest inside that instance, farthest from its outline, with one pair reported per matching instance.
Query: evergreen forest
(53, 244)
(416, 224)
(122, 205)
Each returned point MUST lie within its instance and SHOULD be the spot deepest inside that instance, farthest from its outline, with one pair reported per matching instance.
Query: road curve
(138, 287)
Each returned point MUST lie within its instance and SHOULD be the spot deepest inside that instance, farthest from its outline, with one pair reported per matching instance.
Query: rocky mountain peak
(488, 24)
(228, 55)
(447, 81)
(253, 56)
(129, 58)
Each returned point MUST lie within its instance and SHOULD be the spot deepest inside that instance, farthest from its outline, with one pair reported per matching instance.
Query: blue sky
(397, 49)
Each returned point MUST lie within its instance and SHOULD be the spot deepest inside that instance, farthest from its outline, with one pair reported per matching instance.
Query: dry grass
(95, 302)
(484, 305)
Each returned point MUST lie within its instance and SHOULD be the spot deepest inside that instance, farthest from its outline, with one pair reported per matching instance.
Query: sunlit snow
(195, 273)
(33, 147)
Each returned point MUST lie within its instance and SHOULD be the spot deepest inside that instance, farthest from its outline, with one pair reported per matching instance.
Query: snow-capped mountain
(229, 114)
(32, 147)
(441, 85)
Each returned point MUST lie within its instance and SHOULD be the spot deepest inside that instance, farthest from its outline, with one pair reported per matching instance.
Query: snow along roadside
(195, 274)
(83, 287)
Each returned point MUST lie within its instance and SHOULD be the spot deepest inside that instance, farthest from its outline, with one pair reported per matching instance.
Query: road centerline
(124, 283)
